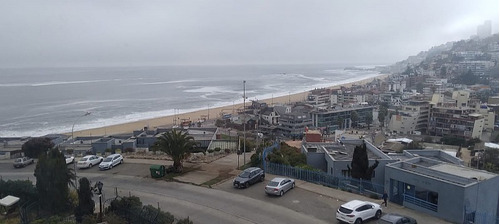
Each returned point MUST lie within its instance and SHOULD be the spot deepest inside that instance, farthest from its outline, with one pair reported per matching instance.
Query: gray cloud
(95, 33)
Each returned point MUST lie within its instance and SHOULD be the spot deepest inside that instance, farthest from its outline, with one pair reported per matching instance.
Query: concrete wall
(483, 198)
(317, 160)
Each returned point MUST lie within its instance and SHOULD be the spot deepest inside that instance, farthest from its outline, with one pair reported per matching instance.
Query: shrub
(374, 196)
(185, 221)
(217, 149)
(210, 151)
(128, 150)
(227, 151)
(112, 218)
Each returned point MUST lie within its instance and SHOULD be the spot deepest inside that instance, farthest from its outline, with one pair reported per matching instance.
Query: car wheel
(247, 184)
(261, 178)
(378, 214)
(121, 161)
(293, 185)
(358, 221)
(281, 193)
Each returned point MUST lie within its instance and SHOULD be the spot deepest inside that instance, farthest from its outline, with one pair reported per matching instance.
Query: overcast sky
(129, 33)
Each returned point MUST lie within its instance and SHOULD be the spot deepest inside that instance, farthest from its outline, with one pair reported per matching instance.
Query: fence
(343, 183)
(420, 203)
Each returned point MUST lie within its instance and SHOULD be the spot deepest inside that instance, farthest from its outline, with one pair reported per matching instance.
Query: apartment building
(341, 117)
(450, 120)
(413, 118)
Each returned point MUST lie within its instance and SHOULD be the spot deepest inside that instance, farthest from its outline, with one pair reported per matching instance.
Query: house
(334, 158)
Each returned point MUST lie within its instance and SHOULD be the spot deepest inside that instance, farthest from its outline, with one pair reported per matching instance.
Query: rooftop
(338, 151)
(455, 174)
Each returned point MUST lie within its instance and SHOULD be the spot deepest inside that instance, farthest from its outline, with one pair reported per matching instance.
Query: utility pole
(244, 123)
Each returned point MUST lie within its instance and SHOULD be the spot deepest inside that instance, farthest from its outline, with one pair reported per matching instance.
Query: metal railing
(420, 203)
(359, 186)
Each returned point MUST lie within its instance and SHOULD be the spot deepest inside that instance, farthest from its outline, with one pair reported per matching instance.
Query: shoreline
(216, 112)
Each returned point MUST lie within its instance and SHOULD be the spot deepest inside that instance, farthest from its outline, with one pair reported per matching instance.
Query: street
(222, 204)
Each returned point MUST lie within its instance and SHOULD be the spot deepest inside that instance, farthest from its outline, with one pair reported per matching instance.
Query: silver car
(111, 161)
(279, 185)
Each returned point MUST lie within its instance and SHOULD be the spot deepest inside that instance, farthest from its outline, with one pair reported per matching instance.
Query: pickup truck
(22, 162)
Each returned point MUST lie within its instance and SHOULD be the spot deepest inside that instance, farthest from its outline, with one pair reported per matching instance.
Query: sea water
(40, 101)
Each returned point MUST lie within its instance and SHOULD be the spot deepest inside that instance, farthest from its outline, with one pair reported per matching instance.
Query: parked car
(279, 185)
(357, 211)
(111, 161)
(88, 161)
(69, 159)
(22, 162)
(249, 176)
(393, 218)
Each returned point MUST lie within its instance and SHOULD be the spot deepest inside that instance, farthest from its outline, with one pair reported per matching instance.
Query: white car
(111, 161)
(88, 161)
(69, 159)
(357, 211)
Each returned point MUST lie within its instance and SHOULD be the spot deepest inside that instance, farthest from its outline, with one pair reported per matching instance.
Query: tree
(360, 164)
(52, 179)
(354, 118)
(177, 144)
(369, 119)
(85, 203)
(36, 146)
(382, 112)
(340, 121)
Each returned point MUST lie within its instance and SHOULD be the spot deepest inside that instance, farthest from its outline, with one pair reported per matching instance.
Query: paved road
(201, 204)
(223, 204)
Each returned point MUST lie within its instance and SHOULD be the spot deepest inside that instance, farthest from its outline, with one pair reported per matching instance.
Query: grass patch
(223, 175)
(171, 176)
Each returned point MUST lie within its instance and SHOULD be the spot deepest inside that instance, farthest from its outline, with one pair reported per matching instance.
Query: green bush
(217, 149)
(210, 151)
(185, 221)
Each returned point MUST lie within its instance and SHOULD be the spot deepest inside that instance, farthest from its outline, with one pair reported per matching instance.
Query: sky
(47, 33)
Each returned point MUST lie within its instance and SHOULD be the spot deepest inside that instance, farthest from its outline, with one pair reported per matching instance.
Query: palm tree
(177, 144)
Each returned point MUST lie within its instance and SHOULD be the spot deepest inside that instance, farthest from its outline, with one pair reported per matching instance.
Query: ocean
(40, 101)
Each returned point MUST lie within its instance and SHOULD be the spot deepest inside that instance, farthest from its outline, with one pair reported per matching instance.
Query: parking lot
(297, 199)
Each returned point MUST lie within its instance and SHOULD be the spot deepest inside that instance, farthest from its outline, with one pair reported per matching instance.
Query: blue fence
(420, 202)
(348, 184)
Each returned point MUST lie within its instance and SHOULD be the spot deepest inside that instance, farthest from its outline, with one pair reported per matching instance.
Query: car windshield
(108, 159)
(83, 159)
(245, 174)
(273, 184)
(19, 160)
(345, 210)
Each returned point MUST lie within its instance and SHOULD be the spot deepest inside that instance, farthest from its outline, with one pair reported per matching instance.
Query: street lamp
(99, 187)
(244, 123)
(73, 127)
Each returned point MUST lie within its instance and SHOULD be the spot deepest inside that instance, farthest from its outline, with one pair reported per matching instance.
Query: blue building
(443, 188)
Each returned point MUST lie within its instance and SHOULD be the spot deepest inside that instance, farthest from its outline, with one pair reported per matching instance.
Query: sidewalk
(217, 170)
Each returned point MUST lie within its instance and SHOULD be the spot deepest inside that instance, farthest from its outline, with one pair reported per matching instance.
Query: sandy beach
(167, 121)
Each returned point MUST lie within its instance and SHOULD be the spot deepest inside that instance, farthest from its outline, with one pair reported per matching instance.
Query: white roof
(8, 200)
(405, 140)
(491, 145)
